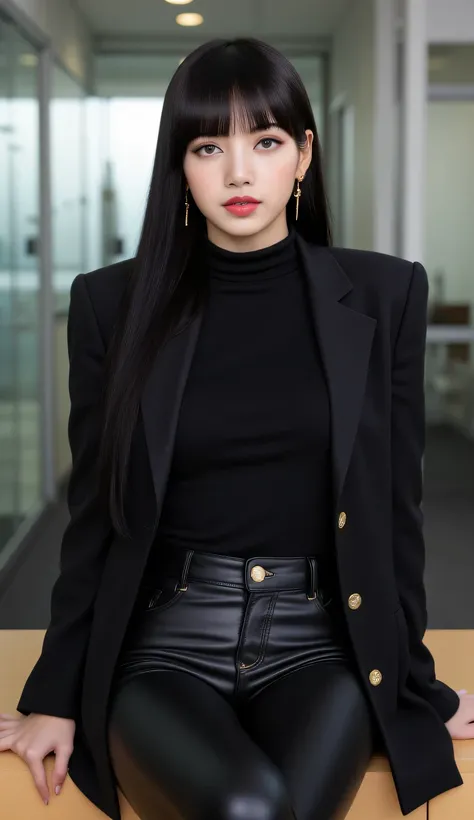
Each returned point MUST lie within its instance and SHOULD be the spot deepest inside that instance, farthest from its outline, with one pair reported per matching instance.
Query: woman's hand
(461, 725)
(32, 737)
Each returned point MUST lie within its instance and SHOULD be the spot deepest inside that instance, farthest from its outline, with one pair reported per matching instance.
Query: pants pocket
(323, 600)
(162, 597)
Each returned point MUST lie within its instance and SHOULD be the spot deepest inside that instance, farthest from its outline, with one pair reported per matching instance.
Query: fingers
(32, 738)
(63, 754)
(36, 767)
(8, 727)
(6, 742)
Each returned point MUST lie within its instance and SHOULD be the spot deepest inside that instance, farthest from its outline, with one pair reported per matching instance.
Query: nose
(237, 180)
(239, 169)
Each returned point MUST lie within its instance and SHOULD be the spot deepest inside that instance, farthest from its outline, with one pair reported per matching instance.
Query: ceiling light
(189, 19)
(179, 2)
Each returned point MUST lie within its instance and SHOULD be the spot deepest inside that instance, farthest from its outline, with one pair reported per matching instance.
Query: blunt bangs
(230, 85)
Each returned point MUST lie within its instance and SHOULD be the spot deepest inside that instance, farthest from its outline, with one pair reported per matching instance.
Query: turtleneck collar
(266, 263)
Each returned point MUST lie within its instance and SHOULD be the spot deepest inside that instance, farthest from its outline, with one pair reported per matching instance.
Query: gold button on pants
(257, 573)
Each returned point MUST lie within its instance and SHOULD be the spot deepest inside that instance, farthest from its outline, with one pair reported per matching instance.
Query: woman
(238, 621)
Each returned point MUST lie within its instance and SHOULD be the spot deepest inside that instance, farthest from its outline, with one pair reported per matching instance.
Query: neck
(243, 244)
(272, 261)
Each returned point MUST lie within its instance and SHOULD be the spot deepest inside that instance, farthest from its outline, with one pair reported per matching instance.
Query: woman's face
(263, 165)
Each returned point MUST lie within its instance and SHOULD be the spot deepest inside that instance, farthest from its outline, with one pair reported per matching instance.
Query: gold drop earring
(187, 205)
(297, 193)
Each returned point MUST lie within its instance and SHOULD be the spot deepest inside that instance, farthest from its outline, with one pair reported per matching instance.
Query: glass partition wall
(68, 184)
(20, 423)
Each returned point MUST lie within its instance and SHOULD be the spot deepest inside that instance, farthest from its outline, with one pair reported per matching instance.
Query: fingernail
(45, 801)
(57, 789)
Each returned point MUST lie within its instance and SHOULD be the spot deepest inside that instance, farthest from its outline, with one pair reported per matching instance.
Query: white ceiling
(287, 18)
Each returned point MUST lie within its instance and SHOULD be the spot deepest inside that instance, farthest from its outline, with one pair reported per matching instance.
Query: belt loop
(312, 577)
(184, 571)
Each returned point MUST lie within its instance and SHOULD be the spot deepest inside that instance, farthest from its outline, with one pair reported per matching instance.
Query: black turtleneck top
(250, 474)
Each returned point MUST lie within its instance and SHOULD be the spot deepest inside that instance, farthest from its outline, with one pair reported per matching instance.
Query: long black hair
(253, 82)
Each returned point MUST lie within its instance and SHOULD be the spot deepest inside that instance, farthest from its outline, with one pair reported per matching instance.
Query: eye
(208, 145)
(211, 145)
(270, 139)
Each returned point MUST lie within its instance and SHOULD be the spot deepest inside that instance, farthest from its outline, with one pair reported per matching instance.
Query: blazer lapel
(161, 400)
(345, 340)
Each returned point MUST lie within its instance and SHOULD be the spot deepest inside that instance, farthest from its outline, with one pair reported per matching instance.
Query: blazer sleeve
(54, 684)
(408, 444)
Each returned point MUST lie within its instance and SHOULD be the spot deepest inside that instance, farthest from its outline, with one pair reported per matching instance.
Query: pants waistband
(256, 574)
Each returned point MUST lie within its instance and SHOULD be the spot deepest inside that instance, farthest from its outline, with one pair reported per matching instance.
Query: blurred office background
(81, 89)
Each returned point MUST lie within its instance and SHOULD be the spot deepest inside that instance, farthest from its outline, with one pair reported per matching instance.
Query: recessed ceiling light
(189, 19)
(179, 2)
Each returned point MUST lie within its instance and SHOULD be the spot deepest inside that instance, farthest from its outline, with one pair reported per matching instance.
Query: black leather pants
(236, 696)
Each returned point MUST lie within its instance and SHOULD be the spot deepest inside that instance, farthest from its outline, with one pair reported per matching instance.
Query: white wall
(449, 197)
(413, 138)
(352, 79)
(451, 21)
(386, 126)
(61, 24)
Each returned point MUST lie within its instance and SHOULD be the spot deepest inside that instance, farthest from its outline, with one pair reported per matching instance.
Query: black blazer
(370, 313)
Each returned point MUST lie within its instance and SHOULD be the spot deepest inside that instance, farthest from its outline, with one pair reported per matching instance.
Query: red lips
(235, 199)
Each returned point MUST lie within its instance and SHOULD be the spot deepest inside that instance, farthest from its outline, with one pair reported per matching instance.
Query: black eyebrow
(264, 127)
(252, 131)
